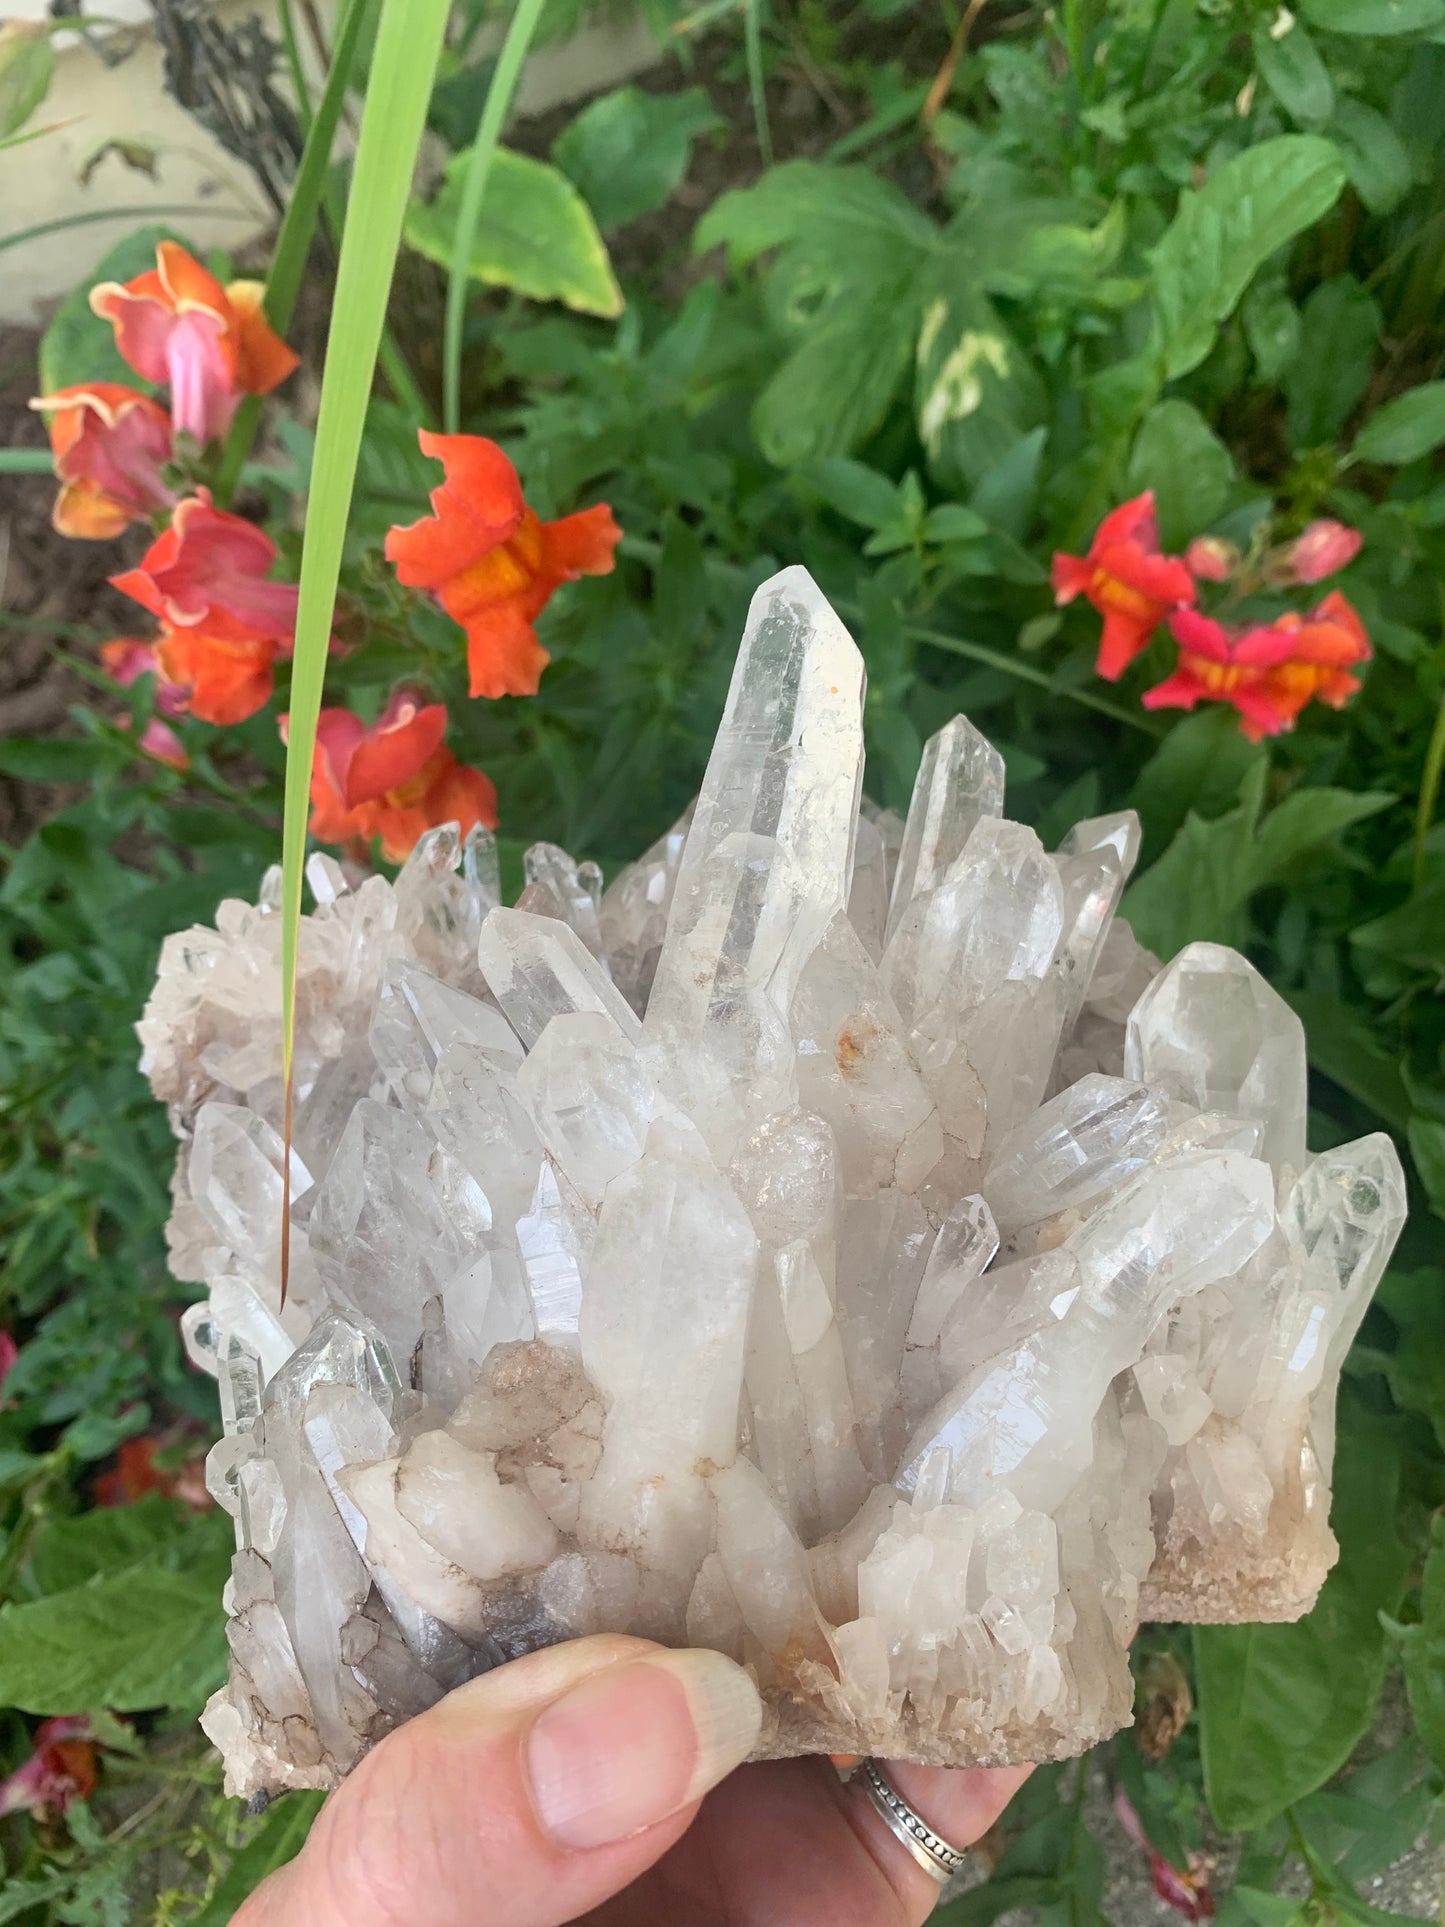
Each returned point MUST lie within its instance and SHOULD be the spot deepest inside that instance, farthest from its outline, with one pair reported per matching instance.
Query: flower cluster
(1269, 669)
(224, 621)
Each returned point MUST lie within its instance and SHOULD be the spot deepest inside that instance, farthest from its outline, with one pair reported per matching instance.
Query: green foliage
(78, 345)
(627, 152)
(534, 234)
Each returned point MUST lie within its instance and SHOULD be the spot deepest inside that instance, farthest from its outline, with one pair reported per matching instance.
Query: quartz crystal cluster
(837, 1243)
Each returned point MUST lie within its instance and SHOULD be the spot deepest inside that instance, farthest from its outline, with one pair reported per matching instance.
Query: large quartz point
(837, 1242)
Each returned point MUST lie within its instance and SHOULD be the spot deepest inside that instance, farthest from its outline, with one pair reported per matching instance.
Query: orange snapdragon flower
(1269, 673)
(395, 780)
(177, 325)
(210, 572)
(1128, 580)
(492, 564)
(110, 444)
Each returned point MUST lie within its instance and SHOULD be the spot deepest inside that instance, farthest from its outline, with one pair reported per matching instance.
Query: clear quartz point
(838, 1243)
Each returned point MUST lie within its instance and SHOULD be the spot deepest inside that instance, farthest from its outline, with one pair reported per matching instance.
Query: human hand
(566, 1787)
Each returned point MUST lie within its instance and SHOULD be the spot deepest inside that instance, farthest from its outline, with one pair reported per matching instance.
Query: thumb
(534, 1793)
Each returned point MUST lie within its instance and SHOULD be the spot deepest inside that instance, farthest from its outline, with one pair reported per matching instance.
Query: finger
(959, 1803)
(525, 1797)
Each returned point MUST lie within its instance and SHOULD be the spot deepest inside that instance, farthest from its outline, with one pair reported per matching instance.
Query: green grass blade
(753, 47)
(408, 46)
(474, 187)
(293, 243)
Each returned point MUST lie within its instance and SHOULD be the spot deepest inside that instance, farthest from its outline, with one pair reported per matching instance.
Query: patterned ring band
(933, 1854)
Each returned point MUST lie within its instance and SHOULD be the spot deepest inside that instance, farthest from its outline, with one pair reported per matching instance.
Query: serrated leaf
(130, 1641)
(535, 234)
(628, 151)
(68, 1552)
(1178, 455)
(840, 208)
(1406, 428)
(1226, 230)
(1281, 1707)
(835, 387)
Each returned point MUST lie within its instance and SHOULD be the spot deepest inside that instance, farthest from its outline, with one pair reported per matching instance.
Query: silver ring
(908, 1826)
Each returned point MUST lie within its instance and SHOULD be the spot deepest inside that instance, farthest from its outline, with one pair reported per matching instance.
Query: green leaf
(278, 1836)
(834, 389)
(1200, 888)
(1375, 156)
(1406, 428)
(1343, 1045)
(1269, 1910)
(1339, 333)
(535, 234)
(1427, 1147)
(858, 493)
(67, 1552)
(1291, 67)
(27, 67)
(1272, 329)
(628, 151)
(1226, 230)
(1375, 16)
(1414, 1302)
(839, 208)
(1281, 1708)
(1413, 935)
(79, 345)
(977, 392)
(1200, 765)
(129, 1640)
(1425, 1651)
(1179, 456)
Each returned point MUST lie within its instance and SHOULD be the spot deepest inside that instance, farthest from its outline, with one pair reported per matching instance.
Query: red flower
(1128, 581)
(61, 1768)
(177, 324)
(220, 681)
(136, 1473)
(1323, 549)
(1269, 674)
(209, 573)
(1185, 1889)
(158, 739)
(110, 444)
(491, 564)
(9, 1352)
(1210, 558)
(127, 658)
(395, 780)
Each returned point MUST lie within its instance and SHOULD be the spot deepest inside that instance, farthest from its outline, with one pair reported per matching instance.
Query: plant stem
(165, 213)
(26, 461)
(753, 46)
(1429, 790)
(474, 186)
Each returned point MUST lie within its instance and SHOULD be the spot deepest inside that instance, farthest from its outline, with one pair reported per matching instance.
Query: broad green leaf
(1006, 493)
(1414, 1302)
(835, 387)
(1406, 428)
(628, 151)
(1268, 1910)
(154, 1531)
(278, 1836)
(1413, 935)
(1289, 63)
(1375, 16)
(1375, 156)
(1281, 1707)
(1272, 329)
(857, 492)
(976, 391)
(79, 345)
(1178, 455)
(534, 234)
(1226, 230)
(1339, 334)
(132, 1640)
(1199, 766)
(1425, 1652)
(1344, 1046)
(843, 207)
(1305, 819)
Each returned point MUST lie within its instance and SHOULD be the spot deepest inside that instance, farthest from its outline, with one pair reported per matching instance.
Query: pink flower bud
(1324, 549)
(1211, 558)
